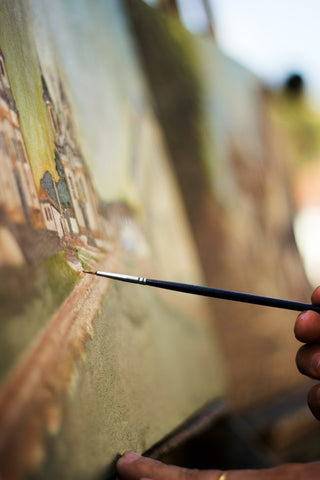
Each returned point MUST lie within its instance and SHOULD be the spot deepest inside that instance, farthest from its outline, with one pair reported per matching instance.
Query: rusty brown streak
(78, 311)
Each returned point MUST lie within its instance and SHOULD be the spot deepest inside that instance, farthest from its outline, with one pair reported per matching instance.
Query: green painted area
(84, 256)
(29, 295)
(22, 65)
(61, 277)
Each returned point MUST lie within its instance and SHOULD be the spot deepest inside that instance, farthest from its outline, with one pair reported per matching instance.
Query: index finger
(132, 466)
(315, 297)
(307, 326)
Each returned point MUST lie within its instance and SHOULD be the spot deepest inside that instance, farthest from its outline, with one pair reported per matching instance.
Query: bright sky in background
(272, 38)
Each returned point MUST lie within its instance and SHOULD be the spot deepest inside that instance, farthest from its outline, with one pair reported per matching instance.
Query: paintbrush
(211, 292)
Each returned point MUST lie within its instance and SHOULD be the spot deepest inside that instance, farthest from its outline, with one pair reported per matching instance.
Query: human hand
(307, 330)
(132, 466)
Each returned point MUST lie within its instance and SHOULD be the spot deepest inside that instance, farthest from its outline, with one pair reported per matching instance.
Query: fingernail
(129, 457)
(314, 401)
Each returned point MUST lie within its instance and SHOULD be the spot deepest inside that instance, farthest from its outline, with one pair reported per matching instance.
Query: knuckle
(191, 474)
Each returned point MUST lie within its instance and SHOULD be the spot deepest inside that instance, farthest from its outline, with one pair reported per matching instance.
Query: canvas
(89, 368)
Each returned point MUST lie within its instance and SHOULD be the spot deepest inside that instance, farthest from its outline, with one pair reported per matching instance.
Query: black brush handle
(212, 292)
(230, 295)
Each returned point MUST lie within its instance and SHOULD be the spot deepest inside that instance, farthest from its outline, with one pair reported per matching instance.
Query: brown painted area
(30, 399)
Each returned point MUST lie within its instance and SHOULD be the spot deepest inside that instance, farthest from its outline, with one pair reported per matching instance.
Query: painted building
(18, 193)
(83, 218)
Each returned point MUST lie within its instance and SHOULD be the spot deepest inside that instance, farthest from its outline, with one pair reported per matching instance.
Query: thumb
(132, 466)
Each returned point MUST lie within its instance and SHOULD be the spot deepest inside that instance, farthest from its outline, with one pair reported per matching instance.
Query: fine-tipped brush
(211, 292)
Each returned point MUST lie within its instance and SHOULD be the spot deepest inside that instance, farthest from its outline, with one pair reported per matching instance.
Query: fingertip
(301, 326)
(314, 401)
(298, 325)
(315, 297)
(128, 457)
(307, 327)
